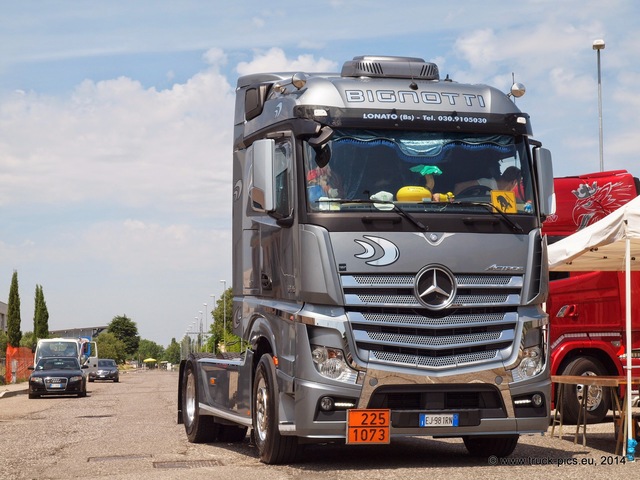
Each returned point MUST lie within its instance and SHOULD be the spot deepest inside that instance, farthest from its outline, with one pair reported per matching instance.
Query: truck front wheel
(597, 400)
(273, 447)
(199, 428)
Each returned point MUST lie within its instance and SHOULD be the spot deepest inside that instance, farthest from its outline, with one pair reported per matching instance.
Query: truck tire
(597, 401)
(273, 447)
(199, 428)
(489, 445)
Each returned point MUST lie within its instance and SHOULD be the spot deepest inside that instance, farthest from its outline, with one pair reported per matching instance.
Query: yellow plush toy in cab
(415, 193)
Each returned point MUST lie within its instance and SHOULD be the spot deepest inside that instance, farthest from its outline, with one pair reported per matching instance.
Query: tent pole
(629, 346)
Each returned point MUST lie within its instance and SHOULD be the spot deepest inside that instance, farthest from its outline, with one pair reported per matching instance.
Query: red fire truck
(587, 309)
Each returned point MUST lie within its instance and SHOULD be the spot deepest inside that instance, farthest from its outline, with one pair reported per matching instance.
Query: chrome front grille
(391, 326)
(431, 341)
(433, 362)
(55, 383)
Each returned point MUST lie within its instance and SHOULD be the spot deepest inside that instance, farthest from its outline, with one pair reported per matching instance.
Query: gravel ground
(128, 430)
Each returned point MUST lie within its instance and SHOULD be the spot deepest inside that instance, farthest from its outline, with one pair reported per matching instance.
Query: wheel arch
(262, 340)
(611, 366)
(566, 353)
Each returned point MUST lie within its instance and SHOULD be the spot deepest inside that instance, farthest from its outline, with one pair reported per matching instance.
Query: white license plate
(442, 420)
(55, 385)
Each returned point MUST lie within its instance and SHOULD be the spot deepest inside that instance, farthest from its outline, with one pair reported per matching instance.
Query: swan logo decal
(237, 190)
(390, 252)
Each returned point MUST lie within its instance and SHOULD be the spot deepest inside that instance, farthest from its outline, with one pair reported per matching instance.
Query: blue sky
(116, 122)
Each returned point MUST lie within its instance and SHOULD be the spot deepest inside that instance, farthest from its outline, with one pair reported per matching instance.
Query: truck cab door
(272, 194)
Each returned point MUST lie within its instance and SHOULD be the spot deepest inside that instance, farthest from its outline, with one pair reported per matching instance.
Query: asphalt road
(128, 430)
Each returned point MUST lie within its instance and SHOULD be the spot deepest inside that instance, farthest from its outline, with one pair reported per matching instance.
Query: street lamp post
(206, 314)
(199, 332)
(224, 314)
(191, 343)
(201, 329)
(597, 46)
(204, 328)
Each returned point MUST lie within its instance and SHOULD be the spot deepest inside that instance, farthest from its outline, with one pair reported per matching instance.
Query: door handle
(568, 311)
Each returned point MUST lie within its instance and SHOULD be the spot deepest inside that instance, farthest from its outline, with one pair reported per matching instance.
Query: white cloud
(75, 168)
(275, 60)
(115, 140)
(570, 85)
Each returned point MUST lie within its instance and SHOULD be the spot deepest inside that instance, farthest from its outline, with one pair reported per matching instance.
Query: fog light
(326, 404)
(537, 400)
(345, 405)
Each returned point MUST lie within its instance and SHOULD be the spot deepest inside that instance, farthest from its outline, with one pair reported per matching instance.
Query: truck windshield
(57, 349)
(418, 171)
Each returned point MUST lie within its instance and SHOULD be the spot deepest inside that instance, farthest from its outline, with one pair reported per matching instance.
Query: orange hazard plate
(368, 426)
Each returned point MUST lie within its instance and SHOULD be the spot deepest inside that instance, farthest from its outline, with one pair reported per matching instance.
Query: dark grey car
(107, 370)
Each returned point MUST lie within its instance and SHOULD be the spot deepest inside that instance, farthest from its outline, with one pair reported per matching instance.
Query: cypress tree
(13, 313)
(44, 326)
(36, 303)
(41, 315)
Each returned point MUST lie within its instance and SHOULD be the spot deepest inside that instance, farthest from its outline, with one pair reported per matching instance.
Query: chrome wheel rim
(595, 395)
(190, 399)
(261, 407)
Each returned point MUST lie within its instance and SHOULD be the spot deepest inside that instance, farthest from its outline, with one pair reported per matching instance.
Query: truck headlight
(533, 348)
(532, 363)
(330, 363)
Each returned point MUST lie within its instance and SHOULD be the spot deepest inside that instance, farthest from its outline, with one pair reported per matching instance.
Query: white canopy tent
(611, 244)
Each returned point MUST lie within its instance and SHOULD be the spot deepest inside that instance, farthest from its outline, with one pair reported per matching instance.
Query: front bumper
(484, 402)
(99, 375)
(51, 388)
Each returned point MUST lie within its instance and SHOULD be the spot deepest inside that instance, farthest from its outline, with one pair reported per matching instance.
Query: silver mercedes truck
(388, 266)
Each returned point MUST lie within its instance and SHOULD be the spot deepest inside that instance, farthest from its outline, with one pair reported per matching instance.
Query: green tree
(172, 352)
(126, 331)
(110, 347)
(223, 317)
(28, 340)
(150, 349)
(40, 315)
(3, 345)
(13, 313)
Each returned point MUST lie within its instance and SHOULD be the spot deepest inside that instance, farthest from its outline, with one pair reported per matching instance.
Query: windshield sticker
(504, 201)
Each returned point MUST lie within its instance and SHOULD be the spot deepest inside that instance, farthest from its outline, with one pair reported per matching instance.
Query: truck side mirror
(323, 155)
(544, 173)
(320, 147)
(261, 157)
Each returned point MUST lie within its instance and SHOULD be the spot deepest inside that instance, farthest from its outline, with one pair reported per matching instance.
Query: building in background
(84, 332)
(3, 317)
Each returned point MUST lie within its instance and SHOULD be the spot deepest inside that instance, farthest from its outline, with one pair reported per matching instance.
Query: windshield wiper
(491, 209)
(395, 208)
